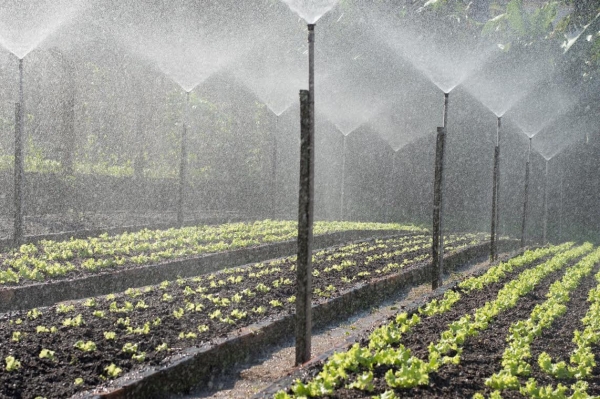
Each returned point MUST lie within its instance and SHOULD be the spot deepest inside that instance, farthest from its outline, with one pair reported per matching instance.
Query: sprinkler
(495, 195)
(19, 167)
(524, 221)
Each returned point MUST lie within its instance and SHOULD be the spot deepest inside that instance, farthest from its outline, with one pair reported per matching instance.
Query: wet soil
(482, 354)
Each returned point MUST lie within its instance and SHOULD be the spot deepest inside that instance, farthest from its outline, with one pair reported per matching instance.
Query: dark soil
(482, 354)
(55, 378)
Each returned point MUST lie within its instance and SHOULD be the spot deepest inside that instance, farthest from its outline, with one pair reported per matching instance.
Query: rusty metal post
(183, 163)
(525, 199)
(436, 255)
(305, 223)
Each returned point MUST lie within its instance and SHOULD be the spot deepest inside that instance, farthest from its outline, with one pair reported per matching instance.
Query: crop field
(526, 328)
(77, 257)
(77, 345)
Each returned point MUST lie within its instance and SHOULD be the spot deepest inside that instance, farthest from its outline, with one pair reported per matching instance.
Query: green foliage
(12, 364)
(518, 26)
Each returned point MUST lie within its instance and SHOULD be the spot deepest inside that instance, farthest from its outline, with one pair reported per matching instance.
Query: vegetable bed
(67, 259)
(32, 261)
(528, 328)
(59, 350)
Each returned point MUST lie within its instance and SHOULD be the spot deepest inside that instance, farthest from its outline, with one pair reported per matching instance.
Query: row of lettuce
(55, 259)
(353, 369)
(206, 305)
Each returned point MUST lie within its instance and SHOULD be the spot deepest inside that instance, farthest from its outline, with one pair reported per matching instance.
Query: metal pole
(343, 180)
(274, 170)
(495, 189)
(390, 193)
(498, 183)
(560, 214)
(524, 221)
(443, 188)
(19, 165)
(436, 255)
(545, 233)
(182, 164)
(305, 219)
(311, 77)
(305, 211)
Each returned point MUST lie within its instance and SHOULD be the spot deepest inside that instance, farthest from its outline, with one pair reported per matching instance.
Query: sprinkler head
(311, 27)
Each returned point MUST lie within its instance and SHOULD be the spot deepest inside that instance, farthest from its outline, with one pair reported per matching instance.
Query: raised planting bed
(170, 336)
(527, 328)
(56, 227)
(45, 273)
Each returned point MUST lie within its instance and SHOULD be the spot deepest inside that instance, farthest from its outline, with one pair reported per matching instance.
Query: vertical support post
(525, 198)
(138, 162)
(495, 196)
(343, 179)
(442, 189)
(436, 256)
(545, 233)
(498, 183)
(183, 163)
(311, 77)
(19, 166)
(390, 193)
(305, 223)
(18, 188)
(305, 210)
(274, 170)
(560, 214)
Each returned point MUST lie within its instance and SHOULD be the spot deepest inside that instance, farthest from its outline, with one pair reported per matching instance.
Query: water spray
(495, 195)
(19, 166)
(524, 220)
(183, 162)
